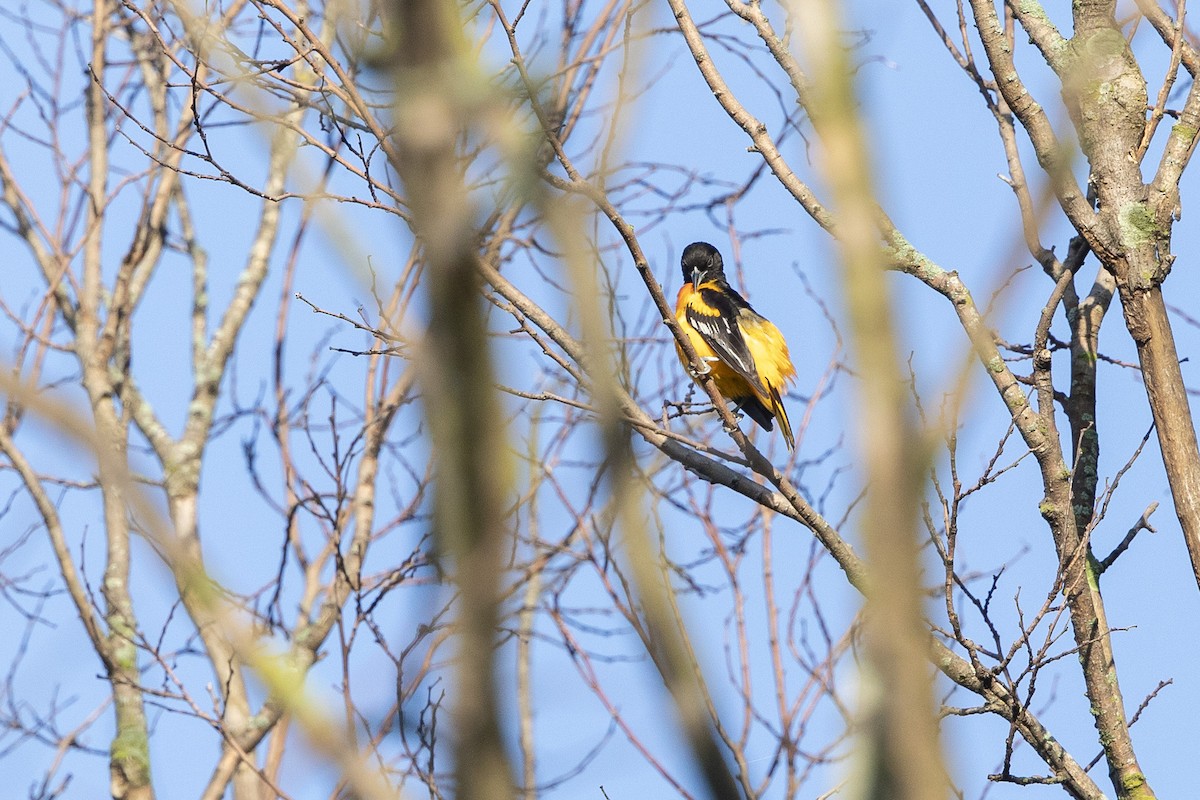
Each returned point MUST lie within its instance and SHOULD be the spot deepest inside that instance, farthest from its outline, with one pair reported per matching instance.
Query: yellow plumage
(765, 345)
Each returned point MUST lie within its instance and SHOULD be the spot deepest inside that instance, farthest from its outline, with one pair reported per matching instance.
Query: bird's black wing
(715, 318)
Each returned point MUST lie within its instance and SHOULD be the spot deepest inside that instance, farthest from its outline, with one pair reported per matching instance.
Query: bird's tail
(785, 425)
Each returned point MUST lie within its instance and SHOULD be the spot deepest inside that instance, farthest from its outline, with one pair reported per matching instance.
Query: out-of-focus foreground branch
(900, 751)
(438, 96)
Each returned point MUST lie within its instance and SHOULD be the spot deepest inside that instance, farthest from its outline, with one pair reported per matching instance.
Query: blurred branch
(899, 749)
(434, 105)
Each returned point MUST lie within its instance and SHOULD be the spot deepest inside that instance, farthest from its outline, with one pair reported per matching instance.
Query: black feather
(723, 334)
(755, 409)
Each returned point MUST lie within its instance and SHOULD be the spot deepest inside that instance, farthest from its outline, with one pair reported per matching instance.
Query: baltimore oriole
(745, 351)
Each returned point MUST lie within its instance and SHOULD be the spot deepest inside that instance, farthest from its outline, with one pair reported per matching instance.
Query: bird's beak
(697, 277)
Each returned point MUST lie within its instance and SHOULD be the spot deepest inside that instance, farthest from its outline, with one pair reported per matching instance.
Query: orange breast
(729, 383)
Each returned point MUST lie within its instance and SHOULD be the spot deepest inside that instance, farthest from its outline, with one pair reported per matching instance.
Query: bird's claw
(704, 362)
(737, 418)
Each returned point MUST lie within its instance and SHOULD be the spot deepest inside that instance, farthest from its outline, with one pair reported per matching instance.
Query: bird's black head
(701, 262)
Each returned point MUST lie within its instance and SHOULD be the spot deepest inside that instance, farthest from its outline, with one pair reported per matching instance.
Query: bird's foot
(737, 418)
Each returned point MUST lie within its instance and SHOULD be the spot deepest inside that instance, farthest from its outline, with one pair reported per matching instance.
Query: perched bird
(745, 351)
